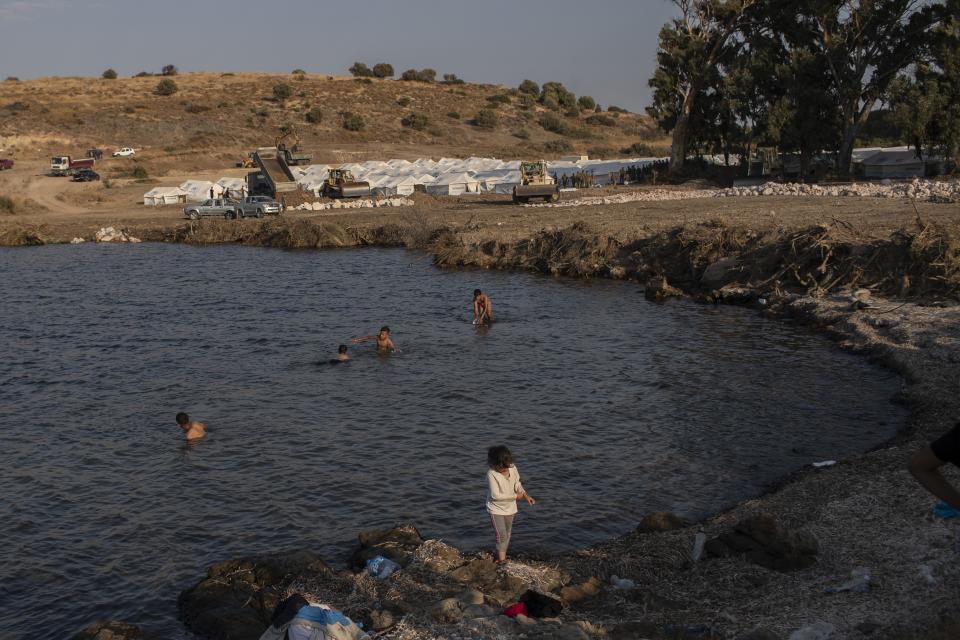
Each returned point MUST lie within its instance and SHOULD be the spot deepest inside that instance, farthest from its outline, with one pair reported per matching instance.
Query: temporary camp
(233, 187)
(454, 184)
(159, 196)
(896, 164)
(199, 190)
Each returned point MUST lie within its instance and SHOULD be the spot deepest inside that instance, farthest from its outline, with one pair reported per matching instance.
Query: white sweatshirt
(502, 491)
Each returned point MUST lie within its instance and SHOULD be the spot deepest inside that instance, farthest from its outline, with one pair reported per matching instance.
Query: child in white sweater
(503, 491)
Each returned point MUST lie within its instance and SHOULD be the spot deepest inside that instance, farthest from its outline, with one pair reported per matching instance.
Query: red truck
(6, 163)
(65, 165)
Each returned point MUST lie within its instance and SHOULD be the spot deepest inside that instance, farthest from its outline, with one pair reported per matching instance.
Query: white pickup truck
(123, 153)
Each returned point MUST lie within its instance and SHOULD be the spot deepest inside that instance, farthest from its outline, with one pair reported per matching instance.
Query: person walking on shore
(192, 429)
(482, 308)
(925, 466)
(503, 492)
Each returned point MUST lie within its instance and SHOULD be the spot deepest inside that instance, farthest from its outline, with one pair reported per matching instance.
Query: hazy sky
(603, 48)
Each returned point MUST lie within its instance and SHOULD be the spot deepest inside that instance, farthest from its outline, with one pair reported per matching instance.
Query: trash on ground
(380, 567)
(859, 582)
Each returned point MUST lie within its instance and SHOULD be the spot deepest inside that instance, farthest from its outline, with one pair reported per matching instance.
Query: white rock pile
(363, 203)
(933, 190)
(109, 234)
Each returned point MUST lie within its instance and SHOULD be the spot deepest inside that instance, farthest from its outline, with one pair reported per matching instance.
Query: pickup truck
(257, 206)
(215, 207)
(123, 153)
(6, 163)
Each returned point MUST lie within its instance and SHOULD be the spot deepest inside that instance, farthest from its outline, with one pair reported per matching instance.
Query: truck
(65, 165)
(274, 176)
(257, 206)
(213, 207)
(535, 182)
(6, 163)
(340, 183)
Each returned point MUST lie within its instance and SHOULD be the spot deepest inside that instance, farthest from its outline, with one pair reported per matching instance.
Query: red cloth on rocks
(516, 609)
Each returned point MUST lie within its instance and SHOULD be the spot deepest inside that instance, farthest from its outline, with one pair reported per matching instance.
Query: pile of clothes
(295, 618)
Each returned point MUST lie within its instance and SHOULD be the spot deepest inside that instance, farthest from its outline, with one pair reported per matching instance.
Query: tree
(586, 103)
(416, 120)
(529, 87)
(383, 70)
(314, 115)
(554, 95)
(691, 48)
(109, 74)
(166, 87)
(282, 92)
(360, 70)
(352, 121)
(487, 119)
(451, 78)
(427, 75)
(168, 70)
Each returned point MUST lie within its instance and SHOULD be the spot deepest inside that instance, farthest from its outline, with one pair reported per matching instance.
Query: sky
(602, 48)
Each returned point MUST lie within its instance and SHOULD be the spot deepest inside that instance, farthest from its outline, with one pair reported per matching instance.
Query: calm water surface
(613, 406)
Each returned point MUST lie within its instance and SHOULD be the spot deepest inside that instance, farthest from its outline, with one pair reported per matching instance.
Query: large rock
(397, 544)
(113, 630)
(658, 289)
(719, 273)
(236, 599)
(766, 543)
(661, 521)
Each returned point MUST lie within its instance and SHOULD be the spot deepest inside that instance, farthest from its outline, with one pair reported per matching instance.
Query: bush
(196, 108)
(360, 70)
(168, 70)
(166, 87)
(314, 115)
(487, 119)
(527, 101)
(143, 74)
(572, 112)
(363, 80)
(615, 109)
(109, 74)
(558, 146)
(428, 75)
(499, 99)
(529, 87)
(600, 120)
(554, 93)
(523, 134)
(638, 149)
(453, 115)
(282, 92)
(424, 75)
(298, 72)
(415, 120)
(12, 79)
(7, 205)
(552, 122)
(352, 121)
(139, 172)
(586, 103)
(382, 70)
(451, 78)
(404, 101)
(598, 109)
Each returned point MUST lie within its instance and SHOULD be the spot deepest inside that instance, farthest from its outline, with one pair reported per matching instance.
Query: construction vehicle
(535, 182)
(65, 165)
(765, 163)
(247, 163)
(340, 183)
(292, 155)
(274, 176)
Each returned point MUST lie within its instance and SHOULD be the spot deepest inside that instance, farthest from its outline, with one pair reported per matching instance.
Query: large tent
(200, 190)
(233, 187)
(454, 184)
(895, 164)
(159, 196)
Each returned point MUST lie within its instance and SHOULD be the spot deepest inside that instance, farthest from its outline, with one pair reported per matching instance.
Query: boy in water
(482, 308)
(342, 354)
(384, 343)
(194, 430)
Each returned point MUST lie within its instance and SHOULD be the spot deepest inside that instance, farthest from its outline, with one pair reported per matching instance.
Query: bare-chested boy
(384, 343)
(482, 308)
(194, 430)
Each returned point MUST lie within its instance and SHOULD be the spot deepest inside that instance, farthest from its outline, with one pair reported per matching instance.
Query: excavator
(536, 182)
(292, 156)
(340, 183)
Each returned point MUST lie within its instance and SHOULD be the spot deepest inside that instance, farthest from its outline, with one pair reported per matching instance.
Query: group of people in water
(504, 490)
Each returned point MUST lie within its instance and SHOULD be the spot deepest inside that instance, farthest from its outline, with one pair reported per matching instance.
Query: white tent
(233, 187)
(498, 181)
(199, 190)
(454, 184)
(895, 164)
(159, 196)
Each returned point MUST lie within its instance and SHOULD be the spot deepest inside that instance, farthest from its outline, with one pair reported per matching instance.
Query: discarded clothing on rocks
(294, 620)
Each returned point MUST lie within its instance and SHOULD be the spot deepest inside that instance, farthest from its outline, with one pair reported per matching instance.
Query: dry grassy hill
(214, 119)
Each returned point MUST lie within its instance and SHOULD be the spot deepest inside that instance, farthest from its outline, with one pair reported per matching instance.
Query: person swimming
(192, 429)
(384, 343)
(482, 308)
(341, 355)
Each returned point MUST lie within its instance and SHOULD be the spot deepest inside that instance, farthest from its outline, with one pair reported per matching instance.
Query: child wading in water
(504, 489)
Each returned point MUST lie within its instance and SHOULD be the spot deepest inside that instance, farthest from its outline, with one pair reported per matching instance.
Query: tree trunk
(804, 163)
(678, 144)
(853, 123)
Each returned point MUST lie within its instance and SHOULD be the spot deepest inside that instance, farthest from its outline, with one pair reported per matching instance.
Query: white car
(123, 153)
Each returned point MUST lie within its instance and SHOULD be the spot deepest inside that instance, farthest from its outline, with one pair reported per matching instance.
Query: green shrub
(529, 87)
(282, 92)
(555, 96)
(586, 103)
(572, 112)
(12, 79)
(363, 80)
(109, 74)
(424, 75)
(615, 109)
(166, 87)
(404, 101)
(415, 120)
(352, 121)
(526, 101)
(600, 120)
(453, 115)
(383, 70)
(487, 119)
(558, 146)
(314, 115)
(7, 205)
(451, 78)
(523, 134)
(228, 74)
(196, 108)
(168, 70)
(139, 172)
(498, 99)
(553, 123)
(360, 70)
(143, 74)
(298, 72)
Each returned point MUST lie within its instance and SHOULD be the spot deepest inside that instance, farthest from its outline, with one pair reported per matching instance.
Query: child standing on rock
(503, 491)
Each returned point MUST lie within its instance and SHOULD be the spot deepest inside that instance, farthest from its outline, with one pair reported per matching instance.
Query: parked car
(215, 207)
(123, 153)
(85, 175)
(258, 206)
(6, 163)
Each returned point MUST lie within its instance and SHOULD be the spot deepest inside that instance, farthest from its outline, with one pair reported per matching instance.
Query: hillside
(216, 118)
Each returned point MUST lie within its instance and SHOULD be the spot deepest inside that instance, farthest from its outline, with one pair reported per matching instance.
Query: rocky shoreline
(766, 564)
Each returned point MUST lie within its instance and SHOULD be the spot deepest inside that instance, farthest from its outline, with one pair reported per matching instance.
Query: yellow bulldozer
(535, 182)
(340, 183)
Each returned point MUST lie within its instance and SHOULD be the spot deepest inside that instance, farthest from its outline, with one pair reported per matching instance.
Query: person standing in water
(503, 491)
(192, 429)
(482, 308)
(384, 343)
(341, 355)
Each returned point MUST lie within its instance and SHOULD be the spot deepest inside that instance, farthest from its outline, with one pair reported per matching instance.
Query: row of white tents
(195, 191)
